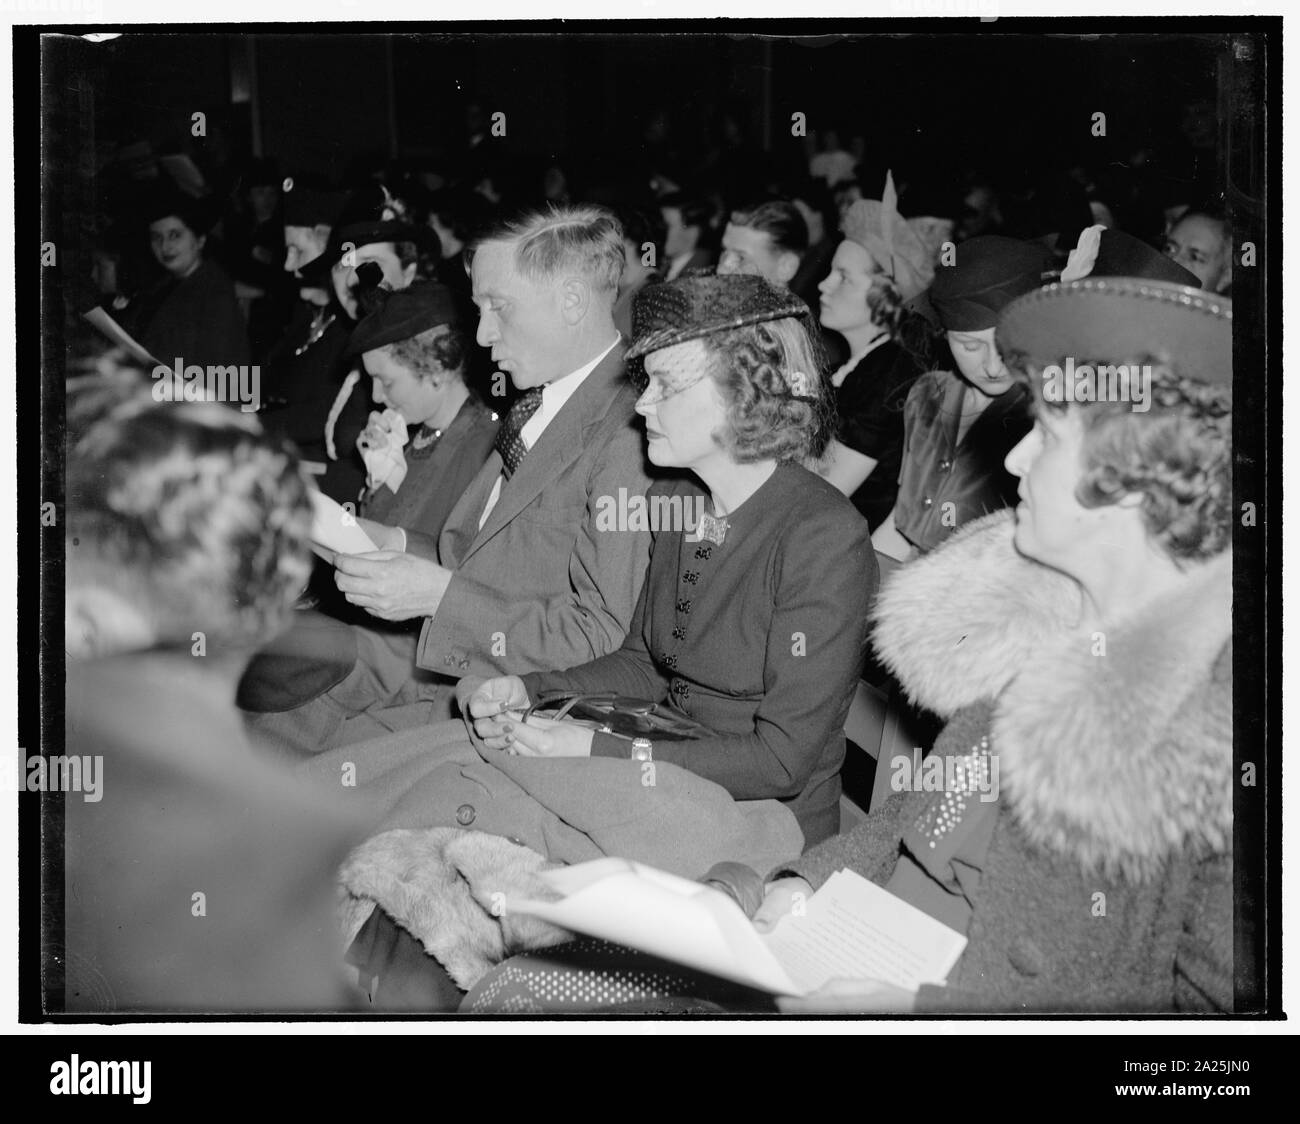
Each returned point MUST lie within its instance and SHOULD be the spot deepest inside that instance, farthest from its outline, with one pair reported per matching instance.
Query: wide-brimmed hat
(1119, 320)
(987, 274)
(691, 307)
(403, 314)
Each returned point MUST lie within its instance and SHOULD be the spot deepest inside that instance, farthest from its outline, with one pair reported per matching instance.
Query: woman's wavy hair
(185, 509)
(1178, 455)
(752, 366)
(440, 350)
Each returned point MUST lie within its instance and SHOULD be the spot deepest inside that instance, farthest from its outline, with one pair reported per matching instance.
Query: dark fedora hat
(1118, 320)
(403, 314)
(694, 306)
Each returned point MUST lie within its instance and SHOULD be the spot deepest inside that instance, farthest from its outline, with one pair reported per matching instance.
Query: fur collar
(1120, 759)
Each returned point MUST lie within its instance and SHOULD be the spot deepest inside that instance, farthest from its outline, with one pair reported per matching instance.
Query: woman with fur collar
(1080, 649)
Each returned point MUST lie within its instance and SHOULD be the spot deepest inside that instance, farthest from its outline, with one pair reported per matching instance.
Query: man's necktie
(510, 441)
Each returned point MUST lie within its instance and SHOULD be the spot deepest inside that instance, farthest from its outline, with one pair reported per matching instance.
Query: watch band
(642, 749)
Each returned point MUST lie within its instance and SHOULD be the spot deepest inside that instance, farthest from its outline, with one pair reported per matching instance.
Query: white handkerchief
(380, 446)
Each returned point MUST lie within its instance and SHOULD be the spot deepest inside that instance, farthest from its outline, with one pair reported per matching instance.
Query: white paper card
(335, 529)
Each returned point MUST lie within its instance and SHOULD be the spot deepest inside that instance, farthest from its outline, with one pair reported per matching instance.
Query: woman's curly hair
(436, 351)
(885, 302)
(752, 367)
(185, 509)
(1178, 455)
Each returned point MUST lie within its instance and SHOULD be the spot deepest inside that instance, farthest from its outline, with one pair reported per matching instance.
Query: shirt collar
(556, 393)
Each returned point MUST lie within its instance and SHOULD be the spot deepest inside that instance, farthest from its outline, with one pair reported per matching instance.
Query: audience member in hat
(431, 434)
(421, 449)
(523, 579)
(1202, 244)
(190, 316)
(1095, 717)
(732, 398)
(686, 221)
(880, 264)
(318, 394)
(200, 877)
(960, 424)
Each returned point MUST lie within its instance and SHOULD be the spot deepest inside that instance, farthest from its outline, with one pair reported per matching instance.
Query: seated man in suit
(524, 577)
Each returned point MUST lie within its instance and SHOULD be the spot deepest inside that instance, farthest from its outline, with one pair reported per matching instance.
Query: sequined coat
(1100, 879)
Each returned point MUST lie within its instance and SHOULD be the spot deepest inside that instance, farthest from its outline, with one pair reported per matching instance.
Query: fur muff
(1115, 746)
(449, 889)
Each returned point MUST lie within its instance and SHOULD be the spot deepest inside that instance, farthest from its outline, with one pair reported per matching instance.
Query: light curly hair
(752, 367)
(185, 509)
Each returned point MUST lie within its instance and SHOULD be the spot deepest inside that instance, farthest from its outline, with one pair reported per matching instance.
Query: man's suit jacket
(539, 587)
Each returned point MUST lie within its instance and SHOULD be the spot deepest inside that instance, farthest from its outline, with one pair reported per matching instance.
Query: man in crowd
(522, 579)
(767, 239)
(1202, 243)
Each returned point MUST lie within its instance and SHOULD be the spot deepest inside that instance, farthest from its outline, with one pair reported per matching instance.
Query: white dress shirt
(554, 396)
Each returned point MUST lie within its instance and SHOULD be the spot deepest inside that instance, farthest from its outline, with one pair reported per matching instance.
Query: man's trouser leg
(383, 692)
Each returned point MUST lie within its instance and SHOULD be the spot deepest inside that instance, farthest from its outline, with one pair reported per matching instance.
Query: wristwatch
(642, 749)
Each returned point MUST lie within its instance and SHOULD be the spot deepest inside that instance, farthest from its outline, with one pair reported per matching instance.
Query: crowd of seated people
(618, 452)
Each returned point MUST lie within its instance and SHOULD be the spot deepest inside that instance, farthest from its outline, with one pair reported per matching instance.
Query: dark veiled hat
(694, 306)
(403, 314)
(987, 274)
(1121, 319)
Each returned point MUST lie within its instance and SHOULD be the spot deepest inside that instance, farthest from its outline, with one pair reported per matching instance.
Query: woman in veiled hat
(881, 264)
(1080, 650)
(733, 400)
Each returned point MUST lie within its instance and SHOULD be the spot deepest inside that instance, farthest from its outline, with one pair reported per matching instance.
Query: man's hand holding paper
(391, 585)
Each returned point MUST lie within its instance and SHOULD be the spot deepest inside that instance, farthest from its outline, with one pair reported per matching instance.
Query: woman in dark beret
(960, 424)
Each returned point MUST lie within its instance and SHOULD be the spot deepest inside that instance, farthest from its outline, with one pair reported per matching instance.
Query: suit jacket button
(465, 815)
(464, 664)
(448, 660)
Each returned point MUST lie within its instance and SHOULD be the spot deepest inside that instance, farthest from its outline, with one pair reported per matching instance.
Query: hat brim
(1120, 319)
(670, 337)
